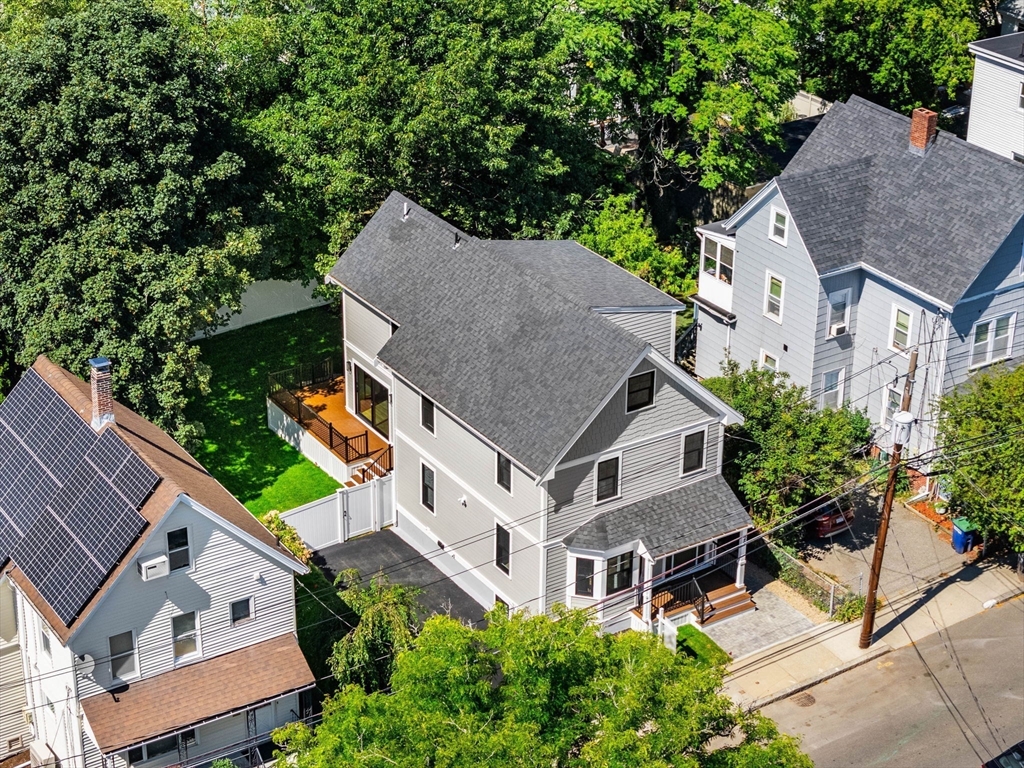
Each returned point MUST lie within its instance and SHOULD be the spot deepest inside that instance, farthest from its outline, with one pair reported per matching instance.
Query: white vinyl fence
(346, 513)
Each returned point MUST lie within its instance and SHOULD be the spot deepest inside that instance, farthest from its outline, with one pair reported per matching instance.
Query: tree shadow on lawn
(255, 465)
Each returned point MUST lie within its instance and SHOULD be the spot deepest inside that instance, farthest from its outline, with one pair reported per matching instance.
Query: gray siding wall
(792, 341)
(713, 338)
(673, 407)
(996, 122)
(837, 352)
(1003, 270)
(656, 328)
(464, 465)
(961, 334)
(363, 327)
(222, 572)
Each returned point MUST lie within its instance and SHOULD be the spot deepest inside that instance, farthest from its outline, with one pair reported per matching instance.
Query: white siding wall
(363, 327)
(713, 339)
(12, 677)
(656, 328)
(224, 569)
(996, 121)
(267, 299)
(466, 466)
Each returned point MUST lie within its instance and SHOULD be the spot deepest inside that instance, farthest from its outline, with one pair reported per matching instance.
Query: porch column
(741, 560)
(646, 599)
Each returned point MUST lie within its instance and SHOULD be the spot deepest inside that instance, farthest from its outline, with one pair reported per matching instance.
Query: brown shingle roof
(179, 474)
(189, 695)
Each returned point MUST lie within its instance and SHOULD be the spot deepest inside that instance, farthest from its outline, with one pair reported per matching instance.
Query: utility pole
(901, 427)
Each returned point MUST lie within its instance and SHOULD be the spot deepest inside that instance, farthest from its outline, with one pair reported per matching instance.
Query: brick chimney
(922, 130)
(102, 392)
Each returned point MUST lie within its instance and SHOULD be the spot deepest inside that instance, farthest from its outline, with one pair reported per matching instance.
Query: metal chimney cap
(99, 363)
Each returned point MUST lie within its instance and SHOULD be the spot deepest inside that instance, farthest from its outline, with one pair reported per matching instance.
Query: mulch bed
(926, 510)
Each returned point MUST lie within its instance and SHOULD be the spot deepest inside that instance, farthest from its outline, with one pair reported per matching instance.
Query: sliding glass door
(371, 401)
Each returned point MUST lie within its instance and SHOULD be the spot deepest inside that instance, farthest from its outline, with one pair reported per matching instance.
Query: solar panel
(69, 497)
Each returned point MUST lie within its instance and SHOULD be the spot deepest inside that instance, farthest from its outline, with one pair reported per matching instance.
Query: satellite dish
(86, 664)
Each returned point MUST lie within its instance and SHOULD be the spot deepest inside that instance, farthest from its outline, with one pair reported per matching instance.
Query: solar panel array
(69, 497)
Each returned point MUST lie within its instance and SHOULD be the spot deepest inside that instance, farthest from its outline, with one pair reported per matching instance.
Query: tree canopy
(128, 214)
(981, 436)
(533, 691)
(788, 452)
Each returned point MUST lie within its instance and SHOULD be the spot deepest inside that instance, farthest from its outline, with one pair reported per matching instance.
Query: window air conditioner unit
(153, 568)
(27, 714)
(838, 329)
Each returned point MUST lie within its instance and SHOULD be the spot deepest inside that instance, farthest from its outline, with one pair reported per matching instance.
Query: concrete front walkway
(403, 565)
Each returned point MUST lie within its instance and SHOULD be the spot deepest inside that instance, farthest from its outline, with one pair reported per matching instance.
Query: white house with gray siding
(546, 449)
(996, 120)
(881, 235)
(181, 646)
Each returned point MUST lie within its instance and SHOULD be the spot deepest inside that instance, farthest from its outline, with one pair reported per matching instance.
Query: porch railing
(684, 593)
(310, 374)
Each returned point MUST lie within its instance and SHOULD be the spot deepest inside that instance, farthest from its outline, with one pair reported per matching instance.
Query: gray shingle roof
(1005, 46)
(580, 274)
(486, 337)
(668, 522)
(858, 195)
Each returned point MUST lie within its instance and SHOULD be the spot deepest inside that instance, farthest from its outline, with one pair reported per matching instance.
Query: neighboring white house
(882, 234)
(155, 615)
(546, 449)
(15, 730)
(997, 96)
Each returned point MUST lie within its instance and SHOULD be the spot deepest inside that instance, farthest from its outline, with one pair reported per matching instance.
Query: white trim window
(687, 560)
(619, 573)
(694, 452)
(1020, 97)
(839, 313)
(584, 582)
(607, 480)
(504, 472)
(185, 631)
(992, 340)
(891, 406)
(718, 260)
(769, 362)
(124, 665)
(165, 746)
(774, 288)
(778, 226)
(640, 392)
(502, 548)
(241, 612)
(44, 639)
(427, 413)
(179, 557)
(832, 388)
(428, 486)
(901, 324)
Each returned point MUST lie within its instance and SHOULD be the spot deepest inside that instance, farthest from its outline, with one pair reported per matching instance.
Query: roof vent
(102, 393)
(923, 124)
(405, 211)
(458, 240)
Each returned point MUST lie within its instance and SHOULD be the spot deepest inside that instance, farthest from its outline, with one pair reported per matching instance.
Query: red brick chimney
(922, 129)
(102, 392)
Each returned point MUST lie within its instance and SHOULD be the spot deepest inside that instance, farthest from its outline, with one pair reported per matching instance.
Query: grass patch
(699, 646)
(260, 469)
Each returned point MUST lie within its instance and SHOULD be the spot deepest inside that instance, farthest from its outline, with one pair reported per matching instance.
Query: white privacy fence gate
(346, 513)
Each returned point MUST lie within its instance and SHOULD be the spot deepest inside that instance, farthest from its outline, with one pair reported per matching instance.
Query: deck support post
(741, 560)
(647, 594)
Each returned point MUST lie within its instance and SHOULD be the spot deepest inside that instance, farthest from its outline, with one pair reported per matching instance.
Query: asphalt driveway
(383, 550)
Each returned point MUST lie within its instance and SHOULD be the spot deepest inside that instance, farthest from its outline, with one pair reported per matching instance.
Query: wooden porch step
(735, 604)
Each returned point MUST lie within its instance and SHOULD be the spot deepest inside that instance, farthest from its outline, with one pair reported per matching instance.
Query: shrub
(288, 536)
(853, 609)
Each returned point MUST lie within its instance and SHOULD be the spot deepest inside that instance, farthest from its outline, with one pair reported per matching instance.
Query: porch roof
(175, 700)
(668, 522)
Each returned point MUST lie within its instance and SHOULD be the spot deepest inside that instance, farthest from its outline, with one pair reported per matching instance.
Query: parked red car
(836, 517)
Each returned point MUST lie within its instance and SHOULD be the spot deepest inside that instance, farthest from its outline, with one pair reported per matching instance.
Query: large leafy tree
(788, 452)
(127, 213)
(898, 53)
(532, 691)
(461, 104)
(700, 83)
(981, 436)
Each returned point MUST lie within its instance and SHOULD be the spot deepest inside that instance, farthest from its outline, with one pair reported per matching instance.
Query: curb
(785, 693)
(1009, 595)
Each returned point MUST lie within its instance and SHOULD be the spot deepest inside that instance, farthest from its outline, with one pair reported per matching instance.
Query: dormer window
(718, 260)
(778, 226)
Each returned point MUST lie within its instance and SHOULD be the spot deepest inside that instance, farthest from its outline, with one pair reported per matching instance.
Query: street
(913, 708)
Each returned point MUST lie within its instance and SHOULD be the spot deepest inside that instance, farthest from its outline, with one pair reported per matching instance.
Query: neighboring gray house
(546, 448)
(880, 235)
(152, 615)
(997, 96)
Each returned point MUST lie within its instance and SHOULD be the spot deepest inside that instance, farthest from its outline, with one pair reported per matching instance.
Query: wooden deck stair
(726, 602)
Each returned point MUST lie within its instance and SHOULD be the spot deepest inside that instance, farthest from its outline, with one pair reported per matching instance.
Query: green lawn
(259, 468)
(699, 646)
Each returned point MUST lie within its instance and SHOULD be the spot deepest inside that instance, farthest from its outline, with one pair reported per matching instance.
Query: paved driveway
(403, 565)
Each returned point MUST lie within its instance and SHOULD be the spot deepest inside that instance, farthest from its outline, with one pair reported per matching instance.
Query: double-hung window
(778, 230)
(427, 413)
(178, 556)
(1020, 97)
(584, 577)
(427, 487)
(241, 611)
(44, 640)
(502, 548)
(640, 392)
(693, 452)
(619, 574)
(893, 401)
(185, 629)
(165, 746)
(832, 388)
(900, 329)
(839, 313)
(991, 340)
(504, 470)
(122, 656)
(718, 260)
(607, 479)
(773, 288)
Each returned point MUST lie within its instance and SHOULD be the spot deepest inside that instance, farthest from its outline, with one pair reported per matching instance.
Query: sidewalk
(830, 649)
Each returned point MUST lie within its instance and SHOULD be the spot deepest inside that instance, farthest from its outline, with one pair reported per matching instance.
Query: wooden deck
(328, 400)
(725, 599)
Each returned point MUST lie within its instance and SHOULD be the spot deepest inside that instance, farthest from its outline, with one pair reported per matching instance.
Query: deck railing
(382, 466)
(684, 593)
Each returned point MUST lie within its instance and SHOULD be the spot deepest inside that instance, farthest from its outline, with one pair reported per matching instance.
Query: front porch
(711, 597)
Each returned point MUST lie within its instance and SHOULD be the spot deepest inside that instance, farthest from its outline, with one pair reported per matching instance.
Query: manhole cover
(804, 700)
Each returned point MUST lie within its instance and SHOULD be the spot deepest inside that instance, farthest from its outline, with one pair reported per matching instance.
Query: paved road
(908, 709)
